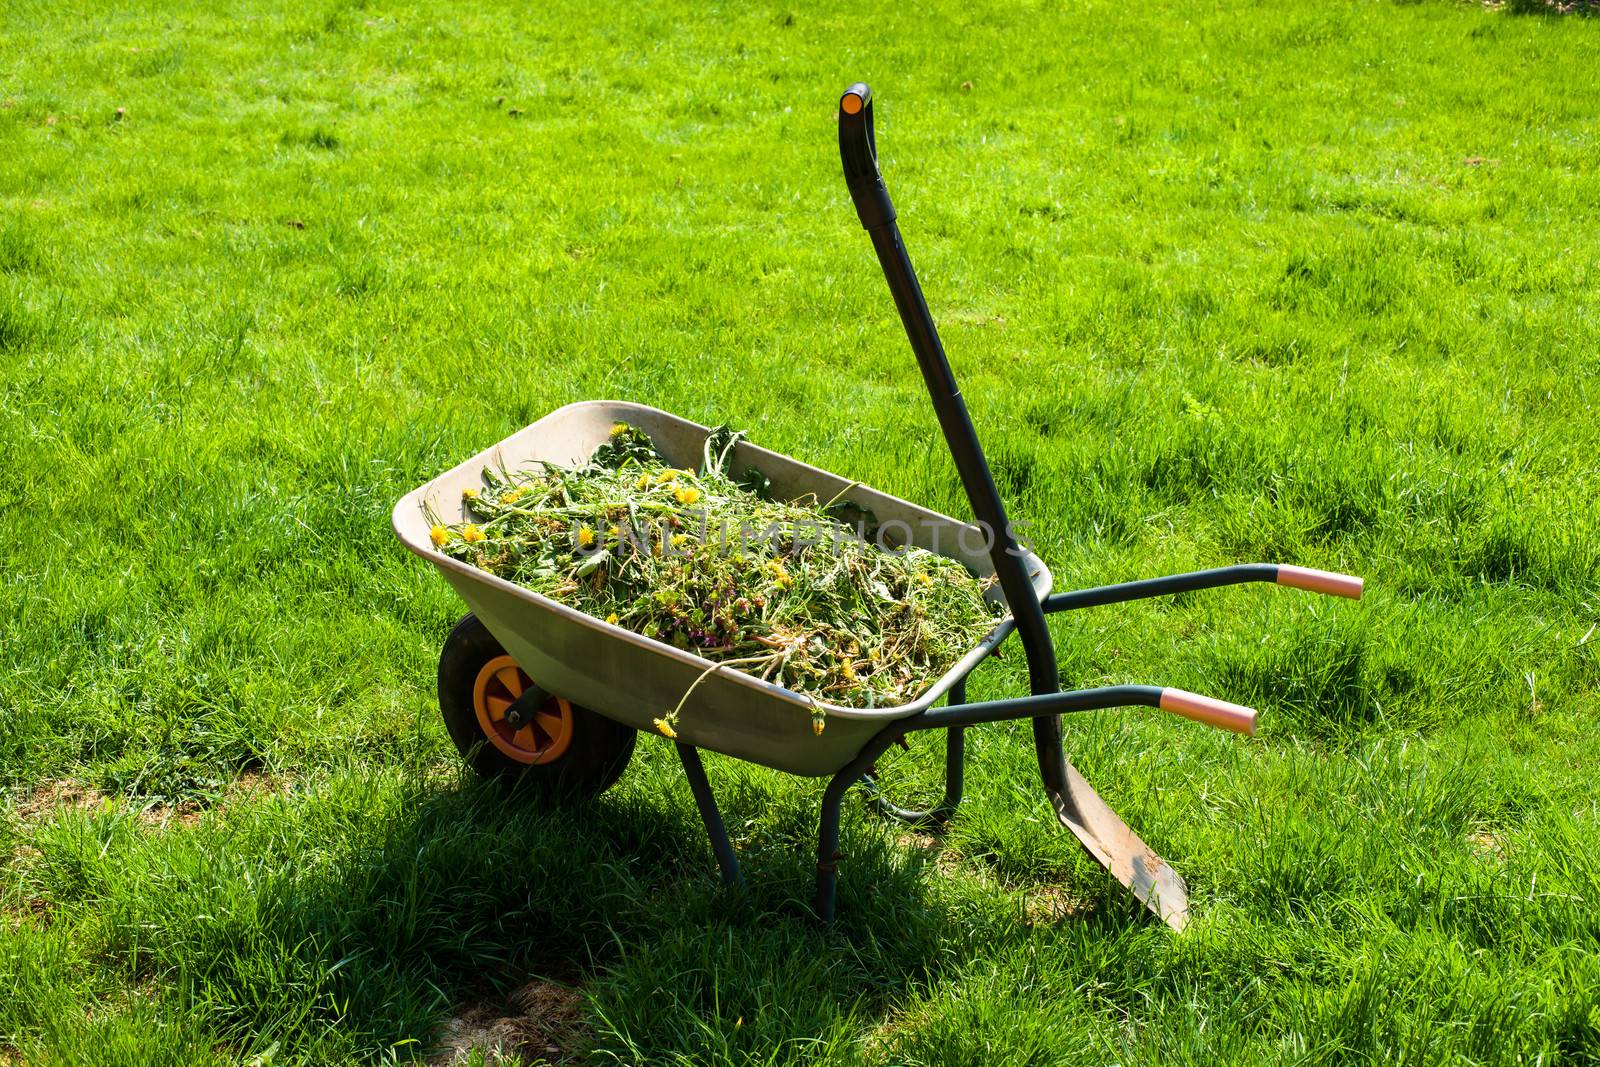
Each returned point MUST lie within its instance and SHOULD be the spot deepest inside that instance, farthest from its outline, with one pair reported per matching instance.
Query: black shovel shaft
(858, 151)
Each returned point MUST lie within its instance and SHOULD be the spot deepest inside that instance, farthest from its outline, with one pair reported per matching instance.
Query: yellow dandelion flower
(687, 495)
(665, 727)
(470, 533)
(643, 482)
(469, 494)
(783, 581)
(618, 429)
(612, 531)
(612, 618)
(666, 476)
(585, 537)
(511, 496)
(923, 579)
(438, 535)
(679, 540)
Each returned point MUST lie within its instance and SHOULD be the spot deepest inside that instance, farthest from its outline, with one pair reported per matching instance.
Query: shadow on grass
(466, 894)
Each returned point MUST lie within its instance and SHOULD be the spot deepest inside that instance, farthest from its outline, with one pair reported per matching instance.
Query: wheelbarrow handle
(1202, 709)
(1209, 710)
(1345, 585)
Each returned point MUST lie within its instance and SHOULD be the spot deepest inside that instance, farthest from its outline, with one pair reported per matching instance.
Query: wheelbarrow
(531, 688)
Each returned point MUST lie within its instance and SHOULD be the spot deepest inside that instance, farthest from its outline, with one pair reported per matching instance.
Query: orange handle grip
(1344, 585)
(1209, 710)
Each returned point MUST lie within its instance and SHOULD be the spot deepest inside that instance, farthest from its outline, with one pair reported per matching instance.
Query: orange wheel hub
(544, 732)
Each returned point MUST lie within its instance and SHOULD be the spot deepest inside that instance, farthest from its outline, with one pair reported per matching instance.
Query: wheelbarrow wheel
(506, 727)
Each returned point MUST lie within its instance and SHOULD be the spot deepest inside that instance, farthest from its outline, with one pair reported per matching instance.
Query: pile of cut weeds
(709, 562)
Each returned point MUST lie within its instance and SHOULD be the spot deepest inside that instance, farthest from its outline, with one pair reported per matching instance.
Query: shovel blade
(1118, 849)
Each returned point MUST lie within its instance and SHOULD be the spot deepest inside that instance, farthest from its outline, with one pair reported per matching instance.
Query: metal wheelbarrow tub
(548, 657)
(635, 679)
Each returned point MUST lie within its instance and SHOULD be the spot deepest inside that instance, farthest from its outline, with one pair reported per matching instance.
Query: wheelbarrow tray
(635, 679)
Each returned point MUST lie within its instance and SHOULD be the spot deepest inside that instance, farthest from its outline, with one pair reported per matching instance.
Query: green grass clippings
(780, 589)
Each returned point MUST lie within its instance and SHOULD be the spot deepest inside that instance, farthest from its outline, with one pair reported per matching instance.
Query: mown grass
(1311, 283)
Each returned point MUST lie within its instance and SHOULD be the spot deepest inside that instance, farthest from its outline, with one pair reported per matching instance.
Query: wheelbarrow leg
(828, 841)
(828, 855)
(955, 767)
(695, 771)
(1102, 832)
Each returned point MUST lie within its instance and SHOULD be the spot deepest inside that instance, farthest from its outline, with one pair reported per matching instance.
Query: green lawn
(1306, 282)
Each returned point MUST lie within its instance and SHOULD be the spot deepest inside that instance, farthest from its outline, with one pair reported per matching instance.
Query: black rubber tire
(594, 759)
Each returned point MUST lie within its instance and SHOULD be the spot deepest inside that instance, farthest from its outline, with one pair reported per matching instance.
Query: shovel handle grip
(1209, 710)
(858, 150)
(1316, 581)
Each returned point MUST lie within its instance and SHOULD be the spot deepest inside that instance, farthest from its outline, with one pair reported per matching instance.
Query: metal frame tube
(700, 786)
(1058, 703)
(955, 771)
(1326, 582)
(1171, 584)
(1050, 704)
